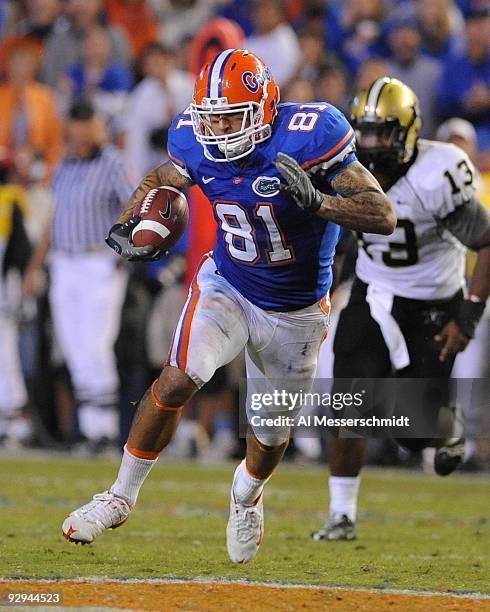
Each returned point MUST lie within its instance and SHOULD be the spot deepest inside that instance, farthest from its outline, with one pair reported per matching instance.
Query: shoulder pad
(182, 147)
(443, 175)
(316, 134)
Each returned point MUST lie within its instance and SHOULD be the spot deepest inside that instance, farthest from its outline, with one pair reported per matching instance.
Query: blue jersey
(275, 254)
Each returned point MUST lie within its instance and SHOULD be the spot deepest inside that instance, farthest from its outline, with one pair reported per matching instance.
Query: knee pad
(160, 405)
(272, 438)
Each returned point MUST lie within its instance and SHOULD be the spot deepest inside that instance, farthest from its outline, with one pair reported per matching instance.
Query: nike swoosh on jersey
(207, 180)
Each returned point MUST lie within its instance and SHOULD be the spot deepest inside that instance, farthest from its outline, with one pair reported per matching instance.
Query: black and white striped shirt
(89, 196)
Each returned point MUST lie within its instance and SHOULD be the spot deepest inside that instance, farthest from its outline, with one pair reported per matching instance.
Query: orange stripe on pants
(181, 356)
(325, 305)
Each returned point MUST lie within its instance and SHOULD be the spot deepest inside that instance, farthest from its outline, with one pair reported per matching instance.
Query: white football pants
(281, 348)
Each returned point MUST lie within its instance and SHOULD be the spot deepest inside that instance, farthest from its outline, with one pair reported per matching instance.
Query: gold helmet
(387, 121)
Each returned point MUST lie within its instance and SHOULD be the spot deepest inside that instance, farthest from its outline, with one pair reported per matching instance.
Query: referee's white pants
(13, 394)
(86, 294)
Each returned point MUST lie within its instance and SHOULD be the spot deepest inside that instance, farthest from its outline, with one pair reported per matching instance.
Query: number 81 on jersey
(239, 234)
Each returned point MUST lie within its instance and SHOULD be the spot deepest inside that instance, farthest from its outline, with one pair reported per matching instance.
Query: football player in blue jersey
(265, 286)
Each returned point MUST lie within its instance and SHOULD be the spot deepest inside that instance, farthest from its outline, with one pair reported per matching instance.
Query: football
(164, 214)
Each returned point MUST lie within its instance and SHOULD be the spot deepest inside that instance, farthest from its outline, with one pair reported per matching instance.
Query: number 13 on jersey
(240, 234)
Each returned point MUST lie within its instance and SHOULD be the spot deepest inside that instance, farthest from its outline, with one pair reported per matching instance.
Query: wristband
(468, 315)
(316, 202)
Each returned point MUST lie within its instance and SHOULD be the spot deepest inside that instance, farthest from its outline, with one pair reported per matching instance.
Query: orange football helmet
(236, 81)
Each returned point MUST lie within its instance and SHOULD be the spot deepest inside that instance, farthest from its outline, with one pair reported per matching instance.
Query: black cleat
(338, 527)
(450, 451)
(448, 457)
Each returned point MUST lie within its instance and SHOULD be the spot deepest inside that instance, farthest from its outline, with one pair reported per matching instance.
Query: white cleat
(245, 529)
(105, 511)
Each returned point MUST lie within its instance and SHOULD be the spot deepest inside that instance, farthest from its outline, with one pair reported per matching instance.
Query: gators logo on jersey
(266, 186)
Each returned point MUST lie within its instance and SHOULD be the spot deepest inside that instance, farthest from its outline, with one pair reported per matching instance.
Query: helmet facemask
(234, 145)
(382, 146)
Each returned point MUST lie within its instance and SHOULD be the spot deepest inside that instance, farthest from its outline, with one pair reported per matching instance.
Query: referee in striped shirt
(90, 188)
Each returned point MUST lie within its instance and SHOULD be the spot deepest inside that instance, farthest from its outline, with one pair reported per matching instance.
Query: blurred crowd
(100, 81)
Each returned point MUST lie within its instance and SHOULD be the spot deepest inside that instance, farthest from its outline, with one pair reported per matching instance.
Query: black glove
(298, 183)
(468, 315)
(119, 239)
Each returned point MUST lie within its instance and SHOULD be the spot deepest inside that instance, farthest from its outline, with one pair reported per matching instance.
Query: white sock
(131, 476)
(246, 488)
(343, 495)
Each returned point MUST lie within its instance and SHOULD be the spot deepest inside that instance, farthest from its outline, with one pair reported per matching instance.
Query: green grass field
(415, 531)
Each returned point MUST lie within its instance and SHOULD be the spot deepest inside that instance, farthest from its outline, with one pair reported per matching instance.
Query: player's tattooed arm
(362, 206)
(166, 174)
